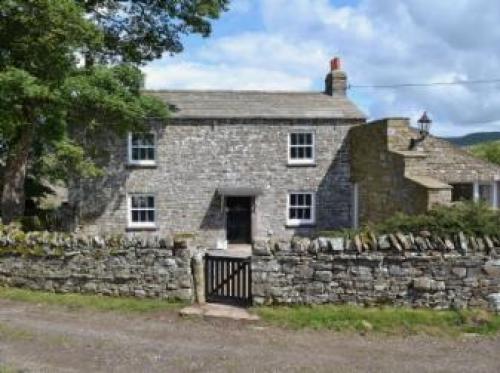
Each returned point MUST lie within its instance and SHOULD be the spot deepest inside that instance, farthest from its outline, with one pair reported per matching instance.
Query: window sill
(309, 164)
(141, 165)
(302, 225)
(142, 228)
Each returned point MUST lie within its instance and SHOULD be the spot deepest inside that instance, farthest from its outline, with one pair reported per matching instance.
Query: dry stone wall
(113, 266)
(403, 270)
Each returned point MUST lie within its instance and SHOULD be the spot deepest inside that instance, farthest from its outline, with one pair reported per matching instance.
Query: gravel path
(51, 339)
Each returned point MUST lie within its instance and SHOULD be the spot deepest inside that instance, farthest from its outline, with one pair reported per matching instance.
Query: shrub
(467, 217)
(489, 151)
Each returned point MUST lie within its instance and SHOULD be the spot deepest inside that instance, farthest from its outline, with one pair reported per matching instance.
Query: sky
(287, 45)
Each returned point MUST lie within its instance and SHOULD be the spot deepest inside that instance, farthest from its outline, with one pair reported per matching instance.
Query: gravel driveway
(51, 339)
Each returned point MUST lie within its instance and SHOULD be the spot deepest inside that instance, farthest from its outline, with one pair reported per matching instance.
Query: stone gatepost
(197, 266)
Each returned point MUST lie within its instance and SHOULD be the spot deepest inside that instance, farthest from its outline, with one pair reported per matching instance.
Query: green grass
(9, 332)
(9, 369)
(388, 320)
(93, 302)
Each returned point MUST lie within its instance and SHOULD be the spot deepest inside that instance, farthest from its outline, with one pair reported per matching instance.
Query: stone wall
(195, 157)
(114, 266)
(404, 270)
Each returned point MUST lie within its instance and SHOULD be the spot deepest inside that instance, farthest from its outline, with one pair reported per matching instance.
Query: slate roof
(257, 104)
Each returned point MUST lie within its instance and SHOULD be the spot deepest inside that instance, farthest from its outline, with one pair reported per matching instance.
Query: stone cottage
(237, 166)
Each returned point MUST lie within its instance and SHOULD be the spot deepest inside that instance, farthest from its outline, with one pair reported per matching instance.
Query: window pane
(293, 139)
(300, 138)
(135, 154)
(151, 216)
(485, 193)
(300, 153)
(151, 202)
(134, 202)
(142, 153)
(300, 199)
(149, 139)
(135, 216)
(307, 214)
(293, 199)
(300, 213)
(308, 200)
(293, 153)
(462, 192)
(498, 199)
(309, 152)
(151, 154)
(142, 215)
(292, 214)
(308, 138)
(135, 139)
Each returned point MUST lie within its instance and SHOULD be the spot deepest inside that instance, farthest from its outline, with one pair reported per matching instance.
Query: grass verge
(387, 320)
(93, 302)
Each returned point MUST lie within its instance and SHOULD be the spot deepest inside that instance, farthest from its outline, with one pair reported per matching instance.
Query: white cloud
(219, 76)
(381, 42)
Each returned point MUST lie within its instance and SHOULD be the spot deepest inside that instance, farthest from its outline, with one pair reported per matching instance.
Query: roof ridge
(231, 91)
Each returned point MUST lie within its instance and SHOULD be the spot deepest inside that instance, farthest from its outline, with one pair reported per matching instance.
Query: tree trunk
(13, 196)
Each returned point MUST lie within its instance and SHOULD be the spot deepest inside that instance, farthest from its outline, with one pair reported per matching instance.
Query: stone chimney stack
(336, 80)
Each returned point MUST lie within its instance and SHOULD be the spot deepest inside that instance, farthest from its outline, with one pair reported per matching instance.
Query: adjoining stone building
(391, 177)
(237, 166)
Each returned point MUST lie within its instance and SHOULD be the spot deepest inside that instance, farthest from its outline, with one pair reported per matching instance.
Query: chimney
(336, 80)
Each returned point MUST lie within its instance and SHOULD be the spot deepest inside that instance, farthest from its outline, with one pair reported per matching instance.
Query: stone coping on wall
(423, 243)
(11, 237)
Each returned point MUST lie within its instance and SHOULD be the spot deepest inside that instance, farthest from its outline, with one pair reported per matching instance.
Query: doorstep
(234, 250)
(222, 311)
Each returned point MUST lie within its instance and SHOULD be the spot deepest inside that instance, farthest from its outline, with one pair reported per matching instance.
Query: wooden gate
(228, 280)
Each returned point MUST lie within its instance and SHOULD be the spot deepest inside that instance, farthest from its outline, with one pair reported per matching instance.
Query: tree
(45, 98)
(489, 151)
(44, 94)
(139, 31)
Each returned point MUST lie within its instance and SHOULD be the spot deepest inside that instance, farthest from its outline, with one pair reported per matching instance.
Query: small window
(301, 148)
(486, 193)
(141, 149)
(301, 209)
(142, 211)
(462, 192)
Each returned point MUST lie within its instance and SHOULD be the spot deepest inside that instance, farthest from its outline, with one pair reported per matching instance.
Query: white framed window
(301, 208)
(142, 148)
(141, 211)
(485, 192)
(301, 147)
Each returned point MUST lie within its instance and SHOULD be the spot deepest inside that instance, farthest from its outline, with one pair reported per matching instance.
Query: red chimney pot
(335, 64)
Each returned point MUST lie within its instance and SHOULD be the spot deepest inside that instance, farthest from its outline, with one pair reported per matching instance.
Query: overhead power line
(432, 84)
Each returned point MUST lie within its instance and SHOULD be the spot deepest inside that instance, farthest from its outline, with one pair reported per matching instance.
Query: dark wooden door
(239, 219)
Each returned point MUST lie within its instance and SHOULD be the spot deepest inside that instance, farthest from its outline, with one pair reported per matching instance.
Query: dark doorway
(239, 219)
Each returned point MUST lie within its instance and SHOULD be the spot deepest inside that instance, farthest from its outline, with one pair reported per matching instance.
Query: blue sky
(287, 45)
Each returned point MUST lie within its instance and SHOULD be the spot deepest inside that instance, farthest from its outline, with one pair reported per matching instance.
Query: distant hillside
(474, 138)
